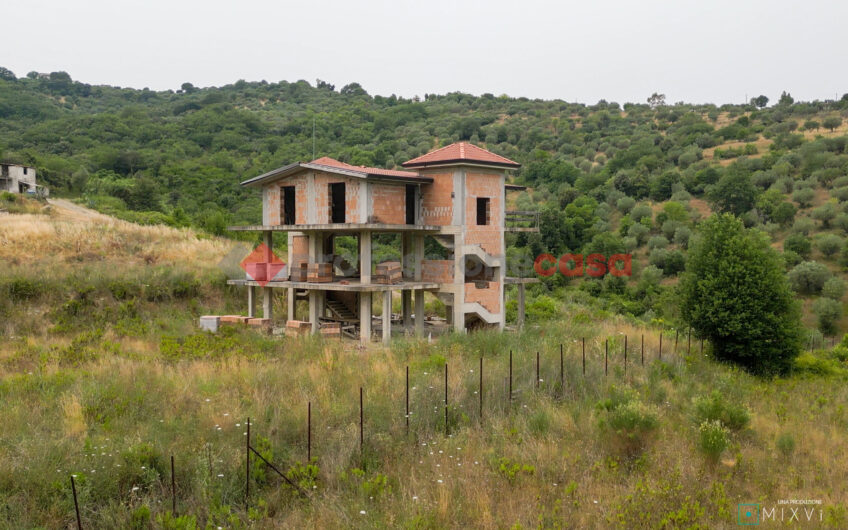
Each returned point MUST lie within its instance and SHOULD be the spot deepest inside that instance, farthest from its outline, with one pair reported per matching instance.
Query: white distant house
(15, 178)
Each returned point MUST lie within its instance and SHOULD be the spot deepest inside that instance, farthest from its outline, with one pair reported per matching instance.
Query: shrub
(828, 311)
(625, 204)
(783, 213)
(824, 213)
(829, 244)
(682, 235)
(804, 197)
(803, 225)
(834, 288)
(713, 439)
(716, 408)
(808, 277)
(798, 244)
(785, 444)
(641, 211)
(542, 308)
(657, 242)
(627, 423)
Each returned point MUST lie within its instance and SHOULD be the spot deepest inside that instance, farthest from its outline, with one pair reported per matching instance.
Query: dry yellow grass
(67, 235)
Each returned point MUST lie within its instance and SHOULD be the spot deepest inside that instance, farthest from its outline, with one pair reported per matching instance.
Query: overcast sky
(620, 50)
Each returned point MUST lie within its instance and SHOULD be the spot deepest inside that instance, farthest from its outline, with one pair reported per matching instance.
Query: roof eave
(460, 162)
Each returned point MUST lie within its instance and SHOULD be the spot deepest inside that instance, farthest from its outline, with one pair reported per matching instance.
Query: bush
(625, 204)
(804, 225)
(628, 423)
(834, 288)
(828, 311)
(713, 439)
(783, 213)
(804, 197)
(808, 277)
(824, 213)
(785, 444)
(716, 408)
(829, 244)
(657, 242)
(798, 244)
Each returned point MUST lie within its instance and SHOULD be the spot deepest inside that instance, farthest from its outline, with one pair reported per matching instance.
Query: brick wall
(488, 297)
(437, 271)
(275, 197)
(490, 236)
(300, 250)
(388, 203)
(436, 200)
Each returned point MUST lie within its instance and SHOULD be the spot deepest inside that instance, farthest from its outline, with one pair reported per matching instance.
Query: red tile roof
(460, 152)
(332, 162)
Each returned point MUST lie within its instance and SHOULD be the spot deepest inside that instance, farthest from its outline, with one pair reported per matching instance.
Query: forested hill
(607, 177)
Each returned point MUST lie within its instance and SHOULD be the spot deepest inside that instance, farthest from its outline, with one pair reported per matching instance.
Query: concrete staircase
(339, 309)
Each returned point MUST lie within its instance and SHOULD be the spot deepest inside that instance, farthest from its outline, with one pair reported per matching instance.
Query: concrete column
(387, 317)
(365, 317)
(406, 305)
(419, 312)
(458, 314)
(290, 299)
(520, 305)
(266, 302)
(418, 251)
(365, 259)
(314, 311)
(251, 301)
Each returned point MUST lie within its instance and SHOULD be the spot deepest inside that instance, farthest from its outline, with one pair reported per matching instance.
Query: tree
(804, 197)
(656, 100)
(798, 244)
(760, 101)
(832, 122)
(812, 125)
(783, 214)
(834, 288)
(828, 311)
(785, 98)
(735, 295)
(808, 277)
(829, 244)
(824, 213)
(188, 88)
(734, 193)
(7, 75)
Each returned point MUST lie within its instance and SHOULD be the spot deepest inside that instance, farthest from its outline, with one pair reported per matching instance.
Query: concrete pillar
(521, 305)
(251, 301)
(458, 314)
(418, 252)
(314, 309)
(290, 299)
(419, 312)
(365, 317)
(365, 259)
(406, 307)
(387, 317)
(266, 302)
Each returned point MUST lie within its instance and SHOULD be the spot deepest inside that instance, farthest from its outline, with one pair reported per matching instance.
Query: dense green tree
(799, 244)
(827, 311)
(808, 277)
(829, 244)
(735, 295)
(760, 101)
(832, 122)
(734, 193)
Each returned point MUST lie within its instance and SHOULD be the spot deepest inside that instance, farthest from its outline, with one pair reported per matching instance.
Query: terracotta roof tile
(332, 162)
(460, 152)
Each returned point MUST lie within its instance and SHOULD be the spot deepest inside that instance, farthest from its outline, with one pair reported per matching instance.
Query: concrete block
(210, 323)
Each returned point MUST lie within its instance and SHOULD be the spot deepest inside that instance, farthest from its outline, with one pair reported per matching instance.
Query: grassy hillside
(608, 177)
(103, 375)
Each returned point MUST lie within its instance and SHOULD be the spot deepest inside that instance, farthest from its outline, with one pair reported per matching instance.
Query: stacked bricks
(297, 328)
(319, 273)
(388, 272)
(299, 272)
(331, 329)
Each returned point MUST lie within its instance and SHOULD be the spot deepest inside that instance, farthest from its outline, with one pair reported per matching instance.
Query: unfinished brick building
(455, 195)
